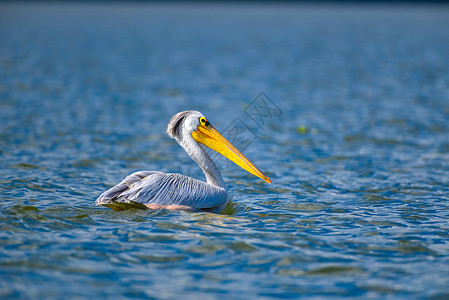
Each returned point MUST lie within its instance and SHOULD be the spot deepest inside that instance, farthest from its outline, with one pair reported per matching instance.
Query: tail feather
(112, 196)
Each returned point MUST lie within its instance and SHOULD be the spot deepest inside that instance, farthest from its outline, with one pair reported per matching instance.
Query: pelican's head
(193, 123)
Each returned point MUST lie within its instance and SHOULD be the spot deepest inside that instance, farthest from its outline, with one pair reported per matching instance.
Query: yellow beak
(210, 137)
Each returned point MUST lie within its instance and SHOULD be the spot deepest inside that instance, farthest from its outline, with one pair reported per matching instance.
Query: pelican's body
(179, 192)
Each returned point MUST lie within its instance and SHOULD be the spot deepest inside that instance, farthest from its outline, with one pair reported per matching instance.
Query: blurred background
(344, 105)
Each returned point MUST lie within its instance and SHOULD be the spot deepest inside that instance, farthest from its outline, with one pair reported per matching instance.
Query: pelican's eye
(204, 122)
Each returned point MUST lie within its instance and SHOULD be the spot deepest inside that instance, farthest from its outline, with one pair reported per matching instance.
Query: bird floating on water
(156, 190)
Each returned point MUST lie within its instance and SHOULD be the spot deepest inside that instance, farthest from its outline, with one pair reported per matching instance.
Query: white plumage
(153, 189)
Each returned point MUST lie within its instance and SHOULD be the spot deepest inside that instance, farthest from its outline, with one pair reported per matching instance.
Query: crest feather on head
(174, 127)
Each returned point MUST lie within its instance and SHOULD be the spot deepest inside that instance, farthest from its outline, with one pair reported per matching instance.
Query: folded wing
(156, 188)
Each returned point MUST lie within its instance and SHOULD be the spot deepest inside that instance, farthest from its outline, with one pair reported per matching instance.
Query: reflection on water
(358, 204)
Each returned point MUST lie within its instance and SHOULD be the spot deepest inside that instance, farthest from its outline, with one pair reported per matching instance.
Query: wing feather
(152, 187)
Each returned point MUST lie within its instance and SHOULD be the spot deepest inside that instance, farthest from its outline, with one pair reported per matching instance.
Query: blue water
(356, 143)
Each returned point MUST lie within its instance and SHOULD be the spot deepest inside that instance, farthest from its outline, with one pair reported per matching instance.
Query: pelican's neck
(200, 156)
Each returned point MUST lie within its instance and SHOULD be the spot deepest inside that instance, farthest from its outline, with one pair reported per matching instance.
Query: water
(358, 153)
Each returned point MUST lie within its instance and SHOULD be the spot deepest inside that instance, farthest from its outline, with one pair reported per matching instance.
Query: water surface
(358, 153)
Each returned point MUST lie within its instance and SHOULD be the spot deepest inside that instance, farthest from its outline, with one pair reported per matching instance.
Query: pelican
(157, 190)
